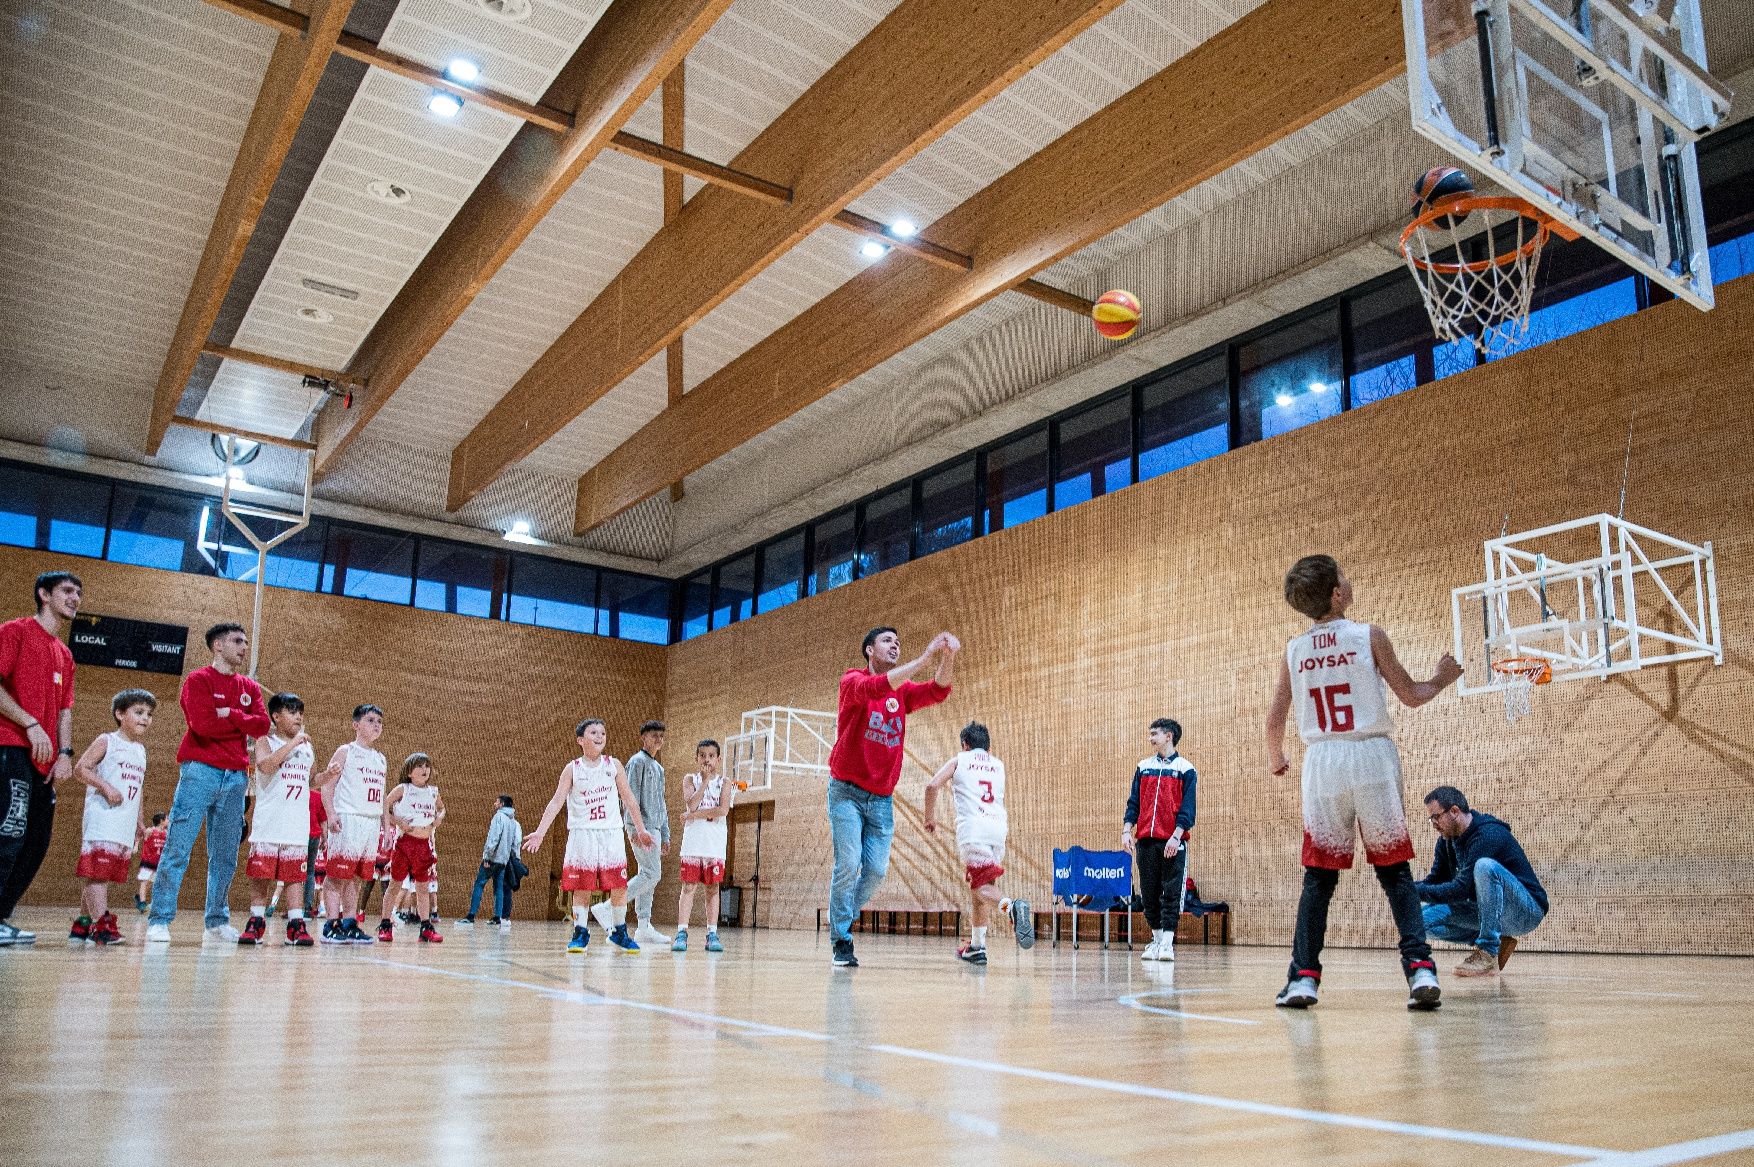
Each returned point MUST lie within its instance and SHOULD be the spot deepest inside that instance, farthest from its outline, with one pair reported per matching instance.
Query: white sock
(295, 913)
(619, 915)
(258, 909)
(579, 911)
(980, 937)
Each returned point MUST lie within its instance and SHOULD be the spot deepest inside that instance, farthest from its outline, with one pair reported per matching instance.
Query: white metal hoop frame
(778, 739)
(1588, 616)
(237, 512)
(1485, 301)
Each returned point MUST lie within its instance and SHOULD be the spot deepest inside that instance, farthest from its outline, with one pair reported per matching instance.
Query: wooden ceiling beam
(229, 431)
(681, 162)
(293, 72)
(923, 68)
(622, 60)
(281, 364)
(1271, 73)
(358, 48)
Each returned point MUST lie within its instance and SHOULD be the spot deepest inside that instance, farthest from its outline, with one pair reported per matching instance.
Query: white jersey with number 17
(1334, 683)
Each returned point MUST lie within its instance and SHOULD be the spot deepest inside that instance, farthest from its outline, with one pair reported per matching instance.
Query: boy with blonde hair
(113, 769)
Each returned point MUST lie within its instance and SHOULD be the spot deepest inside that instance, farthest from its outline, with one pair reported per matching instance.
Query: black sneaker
(971, 954)
(843, 955)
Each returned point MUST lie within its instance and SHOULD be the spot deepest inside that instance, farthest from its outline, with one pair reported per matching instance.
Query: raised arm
(1412, 693)
(938, 782)
(269, 759)
(1278, 709)
(631, 805)
(533, 841)
(947, 658)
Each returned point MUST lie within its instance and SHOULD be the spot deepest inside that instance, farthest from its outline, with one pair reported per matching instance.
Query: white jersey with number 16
(1334, 683)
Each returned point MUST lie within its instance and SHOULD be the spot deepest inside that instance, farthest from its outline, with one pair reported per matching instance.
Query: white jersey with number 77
(1334, 683)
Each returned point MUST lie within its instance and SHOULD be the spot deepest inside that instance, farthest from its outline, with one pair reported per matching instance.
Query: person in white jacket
(504, 836)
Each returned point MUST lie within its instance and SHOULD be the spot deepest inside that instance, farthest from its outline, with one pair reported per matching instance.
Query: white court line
(1611, 992)
(1135, 1002)
(1327, 1118)
(1677, 1152)
(1594, 1155)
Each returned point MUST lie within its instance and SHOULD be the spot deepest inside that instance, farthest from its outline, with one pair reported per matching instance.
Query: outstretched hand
(533, 843)
(1448, 671)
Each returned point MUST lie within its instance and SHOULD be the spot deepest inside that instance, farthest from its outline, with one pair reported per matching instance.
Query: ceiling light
(446, 105)
(384, 190)
(1317, 387)
(316, 315)
(1283, 399)
(243, 451)
(904, 229)
(507, 10)
(873, 249)
(328, 289)
(519, 532)
(463, 71)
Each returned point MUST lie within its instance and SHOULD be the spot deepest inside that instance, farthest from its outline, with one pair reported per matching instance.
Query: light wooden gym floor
(492, 1049)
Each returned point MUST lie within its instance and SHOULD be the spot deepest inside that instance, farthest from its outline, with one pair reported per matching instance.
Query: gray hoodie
(504, 835)
(646, 777)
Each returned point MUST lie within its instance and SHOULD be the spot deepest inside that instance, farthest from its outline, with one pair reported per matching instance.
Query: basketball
(1438, 186)
(1116, 314)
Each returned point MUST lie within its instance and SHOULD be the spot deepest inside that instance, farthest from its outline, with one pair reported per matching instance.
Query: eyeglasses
(1438, 815)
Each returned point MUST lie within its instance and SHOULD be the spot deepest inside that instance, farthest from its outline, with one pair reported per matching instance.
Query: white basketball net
(1518, 694)
(1486, 301)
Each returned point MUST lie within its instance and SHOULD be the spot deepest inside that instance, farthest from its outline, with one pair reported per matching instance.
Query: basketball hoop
(1521, 674)
(1484, 300)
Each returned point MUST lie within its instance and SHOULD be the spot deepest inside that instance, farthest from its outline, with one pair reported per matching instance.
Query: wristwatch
(67, 751)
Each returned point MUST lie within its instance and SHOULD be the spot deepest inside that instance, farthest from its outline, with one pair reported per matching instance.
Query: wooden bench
(901, 922)
(1190, 929)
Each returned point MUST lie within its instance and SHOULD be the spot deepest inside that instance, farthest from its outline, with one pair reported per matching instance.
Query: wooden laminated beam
(1274, 71)
(228, 431)
(281, 364)
(371, 53)
(293, 72)
(681, 162)
(675, 112)
(622, 60)
(921, 70)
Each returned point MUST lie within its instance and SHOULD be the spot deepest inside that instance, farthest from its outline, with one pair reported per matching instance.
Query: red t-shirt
(152, 846)
(319, 815)
(871, 725)
(219, 741)
(37, 670)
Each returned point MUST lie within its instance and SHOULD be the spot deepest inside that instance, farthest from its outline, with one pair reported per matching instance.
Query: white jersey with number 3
(283, 798)
(978, 787)
(1334, 683)
(360, 789)
(593, 803)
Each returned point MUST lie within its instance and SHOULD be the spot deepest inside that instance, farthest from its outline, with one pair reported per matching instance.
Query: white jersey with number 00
(979, 790)
(418, 804)
(283, 797)
(1334, 683)
(124, 767)
(360, 789)
(593, 803)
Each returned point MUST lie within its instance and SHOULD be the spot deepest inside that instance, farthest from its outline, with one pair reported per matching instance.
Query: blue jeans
(1502, 907)
(863, 825)
(502, 891)
(217, 796)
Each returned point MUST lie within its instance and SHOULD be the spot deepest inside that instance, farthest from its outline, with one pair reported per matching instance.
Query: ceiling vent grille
(329, 289)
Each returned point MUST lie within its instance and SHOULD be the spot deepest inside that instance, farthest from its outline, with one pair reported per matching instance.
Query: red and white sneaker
(253, 931)
(107, 930)
(430, 934)
(81, 931)
(386, 932)
(297, 935)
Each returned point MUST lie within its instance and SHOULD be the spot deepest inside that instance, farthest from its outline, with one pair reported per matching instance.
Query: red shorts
(710, 872)
(106, 862)
(413, 859)
(277, 861)
(981, 876)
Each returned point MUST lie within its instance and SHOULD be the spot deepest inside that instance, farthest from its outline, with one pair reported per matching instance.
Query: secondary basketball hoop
(1521, 674)
(1484, 300)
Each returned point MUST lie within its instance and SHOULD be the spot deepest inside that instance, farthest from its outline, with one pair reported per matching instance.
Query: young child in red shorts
(113, 769)
(708, 799)
(281, 823)
(417, 808)
(151, 851)
(977, 785)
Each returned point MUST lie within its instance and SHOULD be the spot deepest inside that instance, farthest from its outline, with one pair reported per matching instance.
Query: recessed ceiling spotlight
(904, 229)
(1318, 387)
(446, 105)
(315, 315)
(463, 71)
(872, 249)
(1283, 399)
(519, 532)
(243, 450)
(508, 10)
(386, 191)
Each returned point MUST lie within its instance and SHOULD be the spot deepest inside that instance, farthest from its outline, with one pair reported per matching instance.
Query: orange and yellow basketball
(1116, 314)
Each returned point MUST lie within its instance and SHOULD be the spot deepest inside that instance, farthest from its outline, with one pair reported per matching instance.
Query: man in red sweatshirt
(865, 766)
(223, 708)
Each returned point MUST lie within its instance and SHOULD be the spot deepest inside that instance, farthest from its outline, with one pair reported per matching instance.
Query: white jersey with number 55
(1334, 683)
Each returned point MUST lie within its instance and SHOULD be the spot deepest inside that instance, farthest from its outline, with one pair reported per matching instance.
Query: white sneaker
(646, 934)
(11, 934)
(1150, 952)
(1423, 991)
(158, 934)
(604, 913)
(1166, 949)
(224, 933)
(1298, 993)
(505, 926)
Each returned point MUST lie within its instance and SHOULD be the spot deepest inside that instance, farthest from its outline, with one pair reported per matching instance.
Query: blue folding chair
(1104, 876)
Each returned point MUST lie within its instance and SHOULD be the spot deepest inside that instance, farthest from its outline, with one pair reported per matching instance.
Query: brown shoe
(1506, 946)
(1479, 963)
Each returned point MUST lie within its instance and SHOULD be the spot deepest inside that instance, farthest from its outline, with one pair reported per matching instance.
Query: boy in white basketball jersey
(595, 791)
(977, 788)
(1334, 672)
(281, 825)
(417, 808)
(113, 769)
(707, 799)
(355, 798)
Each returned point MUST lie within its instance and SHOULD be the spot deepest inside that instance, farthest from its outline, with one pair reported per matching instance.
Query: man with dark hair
(1160, 813)
(865, 765)
(223, 708)
(504, 837)
(646, 777)
(36, 692)
(1481, 888)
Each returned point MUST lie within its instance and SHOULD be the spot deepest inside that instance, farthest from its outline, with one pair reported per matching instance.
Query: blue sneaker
(580, 938)
(712, 942)
(621, 940)
(680, 944)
